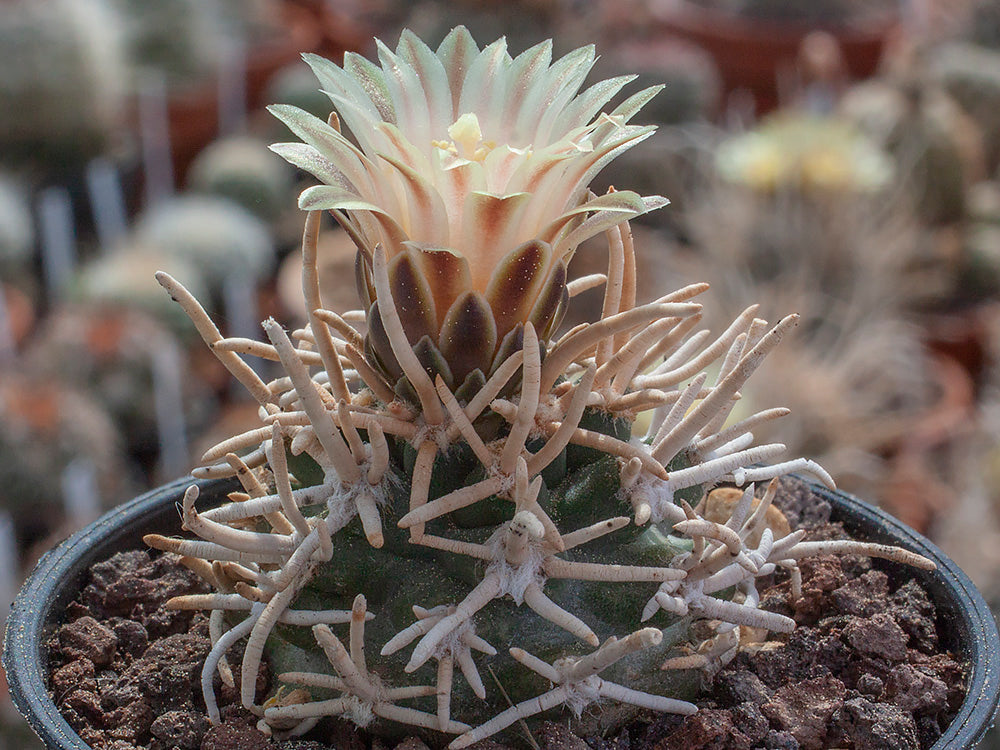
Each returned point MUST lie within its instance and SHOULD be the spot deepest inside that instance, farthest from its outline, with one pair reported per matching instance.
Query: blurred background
(837, 158)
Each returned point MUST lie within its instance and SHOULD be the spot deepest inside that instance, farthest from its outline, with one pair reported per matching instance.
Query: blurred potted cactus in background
(63, 90)
(756, 43)
(62, 459)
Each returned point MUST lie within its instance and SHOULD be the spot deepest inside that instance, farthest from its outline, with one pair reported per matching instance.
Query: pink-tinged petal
(582, 109)
(621, 202)
(456, 53)
(406, 91)
(525, 71)
(331, 145)
(307, 158)
(335, 82)
(455, 184)
(547, 303)
(499, 165)
(532, 173)
(426, 214)
(372, 230)
(546, 100)
(447, 274)
(488, 223)
(560, 190)
(485, 87)
(411, 295)
(625, 111)
(601, 221)
(433, 79)
(372, 80)
(324, 197)
(554, 116)
(468, 336)
(515, 283)
(395, 144)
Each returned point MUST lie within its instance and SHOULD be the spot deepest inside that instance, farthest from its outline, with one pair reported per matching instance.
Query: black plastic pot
(965, 622)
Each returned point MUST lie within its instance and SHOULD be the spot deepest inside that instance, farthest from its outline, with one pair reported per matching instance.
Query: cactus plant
(114, 280)
(17, 231)
(63, 82)
(47, 428)
(971, 75)
(215, 235)
(239, 169)
(461, 479)
(178, 37)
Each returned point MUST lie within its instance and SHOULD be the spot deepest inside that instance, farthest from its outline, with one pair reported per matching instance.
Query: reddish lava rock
(804, 709)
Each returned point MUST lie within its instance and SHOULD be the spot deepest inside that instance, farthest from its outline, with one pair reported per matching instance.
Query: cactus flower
(470, 170)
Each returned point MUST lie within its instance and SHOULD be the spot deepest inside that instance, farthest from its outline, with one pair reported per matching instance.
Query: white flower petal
(457, 52)
(583, 109)
(485, 86)
(431, 73)
(407, 94)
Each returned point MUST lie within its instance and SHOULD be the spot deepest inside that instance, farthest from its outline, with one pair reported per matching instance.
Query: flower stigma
(466, 139)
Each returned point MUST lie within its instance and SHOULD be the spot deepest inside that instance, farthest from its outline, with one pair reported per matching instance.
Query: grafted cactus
(460, 485)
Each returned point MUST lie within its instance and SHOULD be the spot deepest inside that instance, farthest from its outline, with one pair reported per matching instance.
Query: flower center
(466, 139)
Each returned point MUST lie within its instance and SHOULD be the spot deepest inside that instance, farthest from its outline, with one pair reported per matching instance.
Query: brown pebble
(85, 704)
(803, 709)
(709, 728)
(130, 722)
(877, 636)
(89, 639)
(133, 639)
(77, 675)
(913, 690)
(863, 596)
(876, 726)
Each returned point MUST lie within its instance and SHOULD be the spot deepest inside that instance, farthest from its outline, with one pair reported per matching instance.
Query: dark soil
(862, 669)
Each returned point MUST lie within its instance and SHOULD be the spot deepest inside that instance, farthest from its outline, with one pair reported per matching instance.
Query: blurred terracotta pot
(752, 53)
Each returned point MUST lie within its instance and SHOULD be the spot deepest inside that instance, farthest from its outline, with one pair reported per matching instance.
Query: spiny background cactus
(239, 169)
(63, 82)
(460, 485)
(181, 38)
(215, 235)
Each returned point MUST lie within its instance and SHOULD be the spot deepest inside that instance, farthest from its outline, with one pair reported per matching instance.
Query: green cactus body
(400, 574)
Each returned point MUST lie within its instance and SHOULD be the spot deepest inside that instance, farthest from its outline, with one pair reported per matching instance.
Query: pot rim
(55, 579)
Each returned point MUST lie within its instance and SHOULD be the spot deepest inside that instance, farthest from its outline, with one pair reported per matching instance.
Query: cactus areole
(446, 520)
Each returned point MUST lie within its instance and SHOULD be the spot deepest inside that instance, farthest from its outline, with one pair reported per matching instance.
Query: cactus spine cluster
(444, 472)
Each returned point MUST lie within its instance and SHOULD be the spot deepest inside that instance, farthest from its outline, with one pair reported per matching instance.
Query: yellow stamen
(466, 139)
